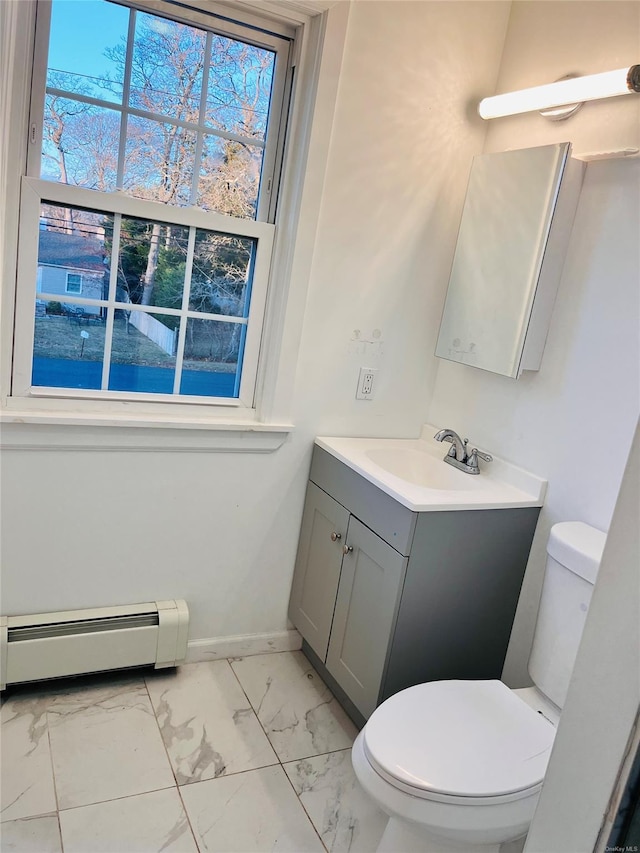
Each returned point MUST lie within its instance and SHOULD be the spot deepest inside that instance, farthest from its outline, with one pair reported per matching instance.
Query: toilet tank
(573, 558)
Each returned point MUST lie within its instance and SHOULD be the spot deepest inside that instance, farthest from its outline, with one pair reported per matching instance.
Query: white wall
(573, 421)
(400, 152)
(91, 528)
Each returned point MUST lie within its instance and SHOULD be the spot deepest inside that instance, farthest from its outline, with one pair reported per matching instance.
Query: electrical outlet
(366, 383)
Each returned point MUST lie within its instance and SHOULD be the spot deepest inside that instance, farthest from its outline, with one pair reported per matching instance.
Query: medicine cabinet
(513, 236)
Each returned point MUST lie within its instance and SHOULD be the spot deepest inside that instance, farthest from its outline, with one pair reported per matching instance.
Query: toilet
(458, 765)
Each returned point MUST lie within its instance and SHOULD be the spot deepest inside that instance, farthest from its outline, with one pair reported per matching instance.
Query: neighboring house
(71, 265)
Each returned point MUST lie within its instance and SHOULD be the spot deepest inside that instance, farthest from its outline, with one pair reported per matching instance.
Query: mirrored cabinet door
(508, 257)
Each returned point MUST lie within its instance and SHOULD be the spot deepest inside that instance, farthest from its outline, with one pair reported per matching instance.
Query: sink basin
(417, 466)
(413, 471)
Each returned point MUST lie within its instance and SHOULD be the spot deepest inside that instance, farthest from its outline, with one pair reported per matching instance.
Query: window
(74, 283)
(148, 210)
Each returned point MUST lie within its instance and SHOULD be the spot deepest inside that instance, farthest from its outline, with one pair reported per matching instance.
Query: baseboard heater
(51, 645)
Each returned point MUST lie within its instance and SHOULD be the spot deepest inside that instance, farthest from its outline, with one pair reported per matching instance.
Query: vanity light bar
(624, 81)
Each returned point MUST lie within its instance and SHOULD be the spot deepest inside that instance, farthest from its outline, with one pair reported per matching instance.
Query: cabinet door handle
(347, 549)
(336, 536)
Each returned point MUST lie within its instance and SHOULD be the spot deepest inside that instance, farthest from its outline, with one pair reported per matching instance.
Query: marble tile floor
(246, 754)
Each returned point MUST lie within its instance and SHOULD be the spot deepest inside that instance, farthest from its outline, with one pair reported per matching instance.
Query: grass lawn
(59, 337)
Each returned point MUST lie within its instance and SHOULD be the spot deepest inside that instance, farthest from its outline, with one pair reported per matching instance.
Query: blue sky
(81, 30)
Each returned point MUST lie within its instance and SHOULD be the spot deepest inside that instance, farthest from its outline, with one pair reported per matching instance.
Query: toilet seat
(459, 740)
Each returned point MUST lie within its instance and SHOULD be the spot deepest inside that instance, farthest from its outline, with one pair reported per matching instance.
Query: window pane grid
(140, 343)
(201, 113)
(191, 125)
(204, 280)
(72, 299)
(113, 283)
(126, 89)
(142, 309)
(185, 306)
(198, 127)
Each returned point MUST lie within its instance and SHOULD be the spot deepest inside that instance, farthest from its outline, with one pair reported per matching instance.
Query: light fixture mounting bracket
(565, 111)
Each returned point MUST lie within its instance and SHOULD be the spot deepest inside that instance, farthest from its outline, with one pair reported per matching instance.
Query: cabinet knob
(347, 549)
(336, 536)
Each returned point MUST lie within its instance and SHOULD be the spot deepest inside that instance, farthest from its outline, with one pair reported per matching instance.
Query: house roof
(72, 251)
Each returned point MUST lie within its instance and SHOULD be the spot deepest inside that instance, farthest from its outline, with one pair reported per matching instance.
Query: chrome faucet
(458, 446)
(458, 456)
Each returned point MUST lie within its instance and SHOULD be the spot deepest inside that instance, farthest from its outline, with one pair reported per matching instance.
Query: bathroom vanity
(397, 582)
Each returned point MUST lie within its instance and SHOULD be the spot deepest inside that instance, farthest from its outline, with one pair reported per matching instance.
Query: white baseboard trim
(217, 648)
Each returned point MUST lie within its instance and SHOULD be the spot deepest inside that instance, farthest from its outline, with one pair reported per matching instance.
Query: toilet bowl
(471, 780)
(459, 765)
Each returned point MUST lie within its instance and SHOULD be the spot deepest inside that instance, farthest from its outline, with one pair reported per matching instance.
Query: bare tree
(167, 77)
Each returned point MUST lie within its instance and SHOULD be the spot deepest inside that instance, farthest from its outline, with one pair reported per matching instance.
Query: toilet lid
(461, 738)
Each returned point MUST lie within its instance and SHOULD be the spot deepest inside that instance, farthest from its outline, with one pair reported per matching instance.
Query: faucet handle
(473, 457)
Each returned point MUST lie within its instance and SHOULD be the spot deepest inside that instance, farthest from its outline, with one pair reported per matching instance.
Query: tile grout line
(315, 829)
(53, 779)
(116, 799)
(235, 675)
(255, 713)
(240, 772)
(227, 775)
(301, 757)
(177, 786)
(59, 832)
(281, 763)
(157, 722)
(188, 817)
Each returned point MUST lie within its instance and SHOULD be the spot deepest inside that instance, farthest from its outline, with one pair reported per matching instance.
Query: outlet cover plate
(366, 383)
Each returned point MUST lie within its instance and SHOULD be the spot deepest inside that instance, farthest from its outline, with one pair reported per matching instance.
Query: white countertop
(413, 471)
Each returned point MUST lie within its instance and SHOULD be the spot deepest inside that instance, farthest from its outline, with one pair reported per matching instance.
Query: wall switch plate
(366, 383)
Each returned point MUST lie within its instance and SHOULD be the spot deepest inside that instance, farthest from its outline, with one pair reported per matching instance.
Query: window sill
(50, 431)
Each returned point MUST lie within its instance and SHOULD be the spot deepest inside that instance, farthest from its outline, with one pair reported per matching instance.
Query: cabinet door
(317, 570)
(368, 596)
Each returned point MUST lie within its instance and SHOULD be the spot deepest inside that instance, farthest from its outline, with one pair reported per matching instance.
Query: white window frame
(66, 286)
(36, 191)
(53, 423)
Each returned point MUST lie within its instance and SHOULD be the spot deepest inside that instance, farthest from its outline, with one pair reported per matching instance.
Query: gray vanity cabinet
(365, 612)
(386, 598)
(317, 574)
